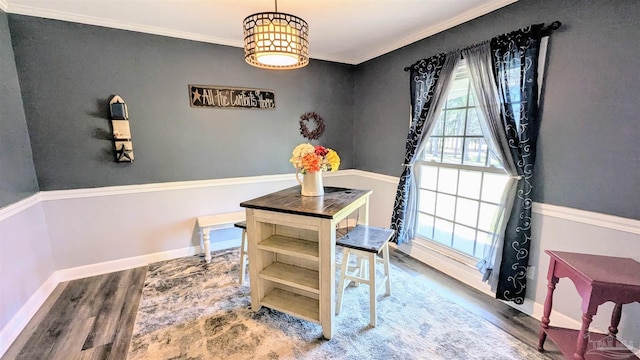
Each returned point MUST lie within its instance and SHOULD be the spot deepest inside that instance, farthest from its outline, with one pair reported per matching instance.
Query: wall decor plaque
(231, 98)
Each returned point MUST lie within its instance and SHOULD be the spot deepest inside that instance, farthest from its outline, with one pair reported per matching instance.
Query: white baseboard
(122, 264)
(14, 327)
(137, 261)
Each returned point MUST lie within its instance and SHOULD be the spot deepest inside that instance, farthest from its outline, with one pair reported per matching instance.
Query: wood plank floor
(90, 318)
(93, 318)
(521, 326)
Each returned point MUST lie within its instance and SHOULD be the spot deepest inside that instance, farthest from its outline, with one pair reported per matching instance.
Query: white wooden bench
(215, 222)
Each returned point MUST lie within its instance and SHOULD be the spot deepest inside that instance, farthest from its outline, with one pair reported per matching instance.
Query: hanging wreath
(316, 133)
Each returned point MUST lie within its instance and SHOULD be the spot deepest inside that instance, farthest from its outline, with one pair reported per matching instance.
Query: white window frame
(434, 245)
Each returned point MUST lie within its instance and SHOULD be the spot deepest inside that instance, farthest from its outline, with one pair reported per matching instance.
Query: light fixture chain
(276, 5)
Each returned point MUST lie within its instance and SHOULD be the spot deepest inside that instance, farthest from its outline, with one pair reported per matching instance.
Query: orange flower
(311, 163)
(310, 159)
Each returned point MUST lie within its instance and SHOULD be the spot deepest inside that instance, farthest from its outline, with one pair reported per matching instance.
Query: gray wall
(68, 71)
(17, 174)
(588, 155)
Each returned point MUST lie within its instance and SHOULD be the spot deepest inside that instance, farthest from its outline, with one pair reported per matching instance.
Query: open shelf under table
(294, 304)
(295, 276)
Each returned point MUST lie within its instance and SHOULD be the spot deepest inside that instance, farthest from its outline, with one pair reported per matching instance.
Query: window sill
(448, 252)
(423, 250)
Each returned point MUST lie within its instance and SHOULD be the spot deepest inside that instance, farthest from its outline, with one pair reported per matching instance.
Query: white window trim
(447, 251)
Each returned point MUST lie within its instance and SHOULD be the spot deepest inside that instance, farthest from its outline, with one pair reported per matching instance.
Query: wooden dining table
(292, 250)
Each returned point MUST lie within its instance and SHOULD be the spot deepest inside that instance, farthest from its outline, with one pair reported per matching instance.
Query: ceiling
(346, 31)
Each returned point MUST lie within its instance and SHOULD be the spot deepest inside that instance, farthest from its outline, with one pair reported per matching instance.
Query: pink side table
(598, 279)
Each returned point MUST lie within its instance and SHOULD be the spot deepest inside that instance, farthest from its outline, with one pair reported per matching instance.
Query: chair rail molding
(562, 212)
(589, 217)
(18, 206)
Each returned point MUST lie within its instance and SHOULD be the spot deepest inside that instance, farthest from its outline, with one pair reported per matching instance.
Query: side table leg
(581, 345)
(548, 304)
(615, 320)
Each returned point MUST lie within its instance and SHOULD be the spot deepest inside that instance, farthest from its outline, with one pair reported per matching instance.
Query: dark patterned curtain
(429, 81)
(515, 65)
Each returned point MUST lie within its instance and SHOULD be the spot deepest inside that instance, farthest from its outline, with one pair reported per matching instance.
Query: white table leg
(327, 239)
(243, 255)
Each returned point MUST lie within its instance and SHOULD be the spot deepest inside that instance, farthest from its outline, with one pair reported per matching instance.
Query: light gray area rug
(188, 311)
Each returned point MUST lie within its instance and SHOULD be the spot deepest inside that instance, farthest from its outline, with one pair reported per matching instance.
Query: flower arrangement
(310, 159)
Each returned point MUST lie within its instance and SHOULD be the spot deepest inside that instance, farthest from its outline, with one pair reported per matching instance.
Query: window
(460, 181)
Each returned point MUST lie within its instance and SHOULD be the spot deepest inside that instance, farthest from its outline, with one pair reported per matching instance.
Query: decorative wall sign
(231, 98)
(120, 129)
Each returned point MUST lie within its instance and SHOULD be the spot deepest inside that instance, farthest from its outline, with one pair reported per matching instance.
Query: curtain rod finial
(547, 30)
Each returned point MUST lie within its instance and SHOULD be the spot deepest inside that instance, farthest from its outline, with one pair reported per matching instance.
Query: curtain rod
(546, 31)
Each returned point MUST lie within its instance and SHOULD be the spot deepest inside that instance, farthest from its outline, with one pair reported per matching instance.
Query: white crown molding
(333, 58)
(455, 21)
(91, 20)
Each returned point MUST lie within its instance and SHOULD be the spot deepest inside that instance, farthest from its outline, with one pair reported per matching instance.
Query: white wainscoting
(57, 236)
(26, 266)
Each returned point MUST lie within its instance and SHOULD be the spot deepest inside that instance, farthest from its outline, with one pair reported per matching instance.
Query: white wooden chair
(366, 242)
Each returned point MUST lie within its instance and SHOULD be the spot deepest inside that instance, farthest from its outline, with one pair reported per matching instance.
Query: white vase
(311, 184)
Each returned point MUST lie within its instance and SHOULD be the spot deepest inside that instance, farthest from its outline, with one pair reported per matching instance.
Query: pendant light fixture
(274, 40)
